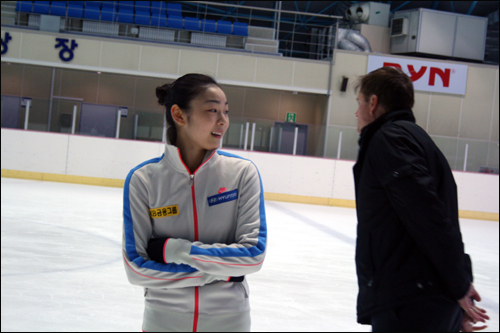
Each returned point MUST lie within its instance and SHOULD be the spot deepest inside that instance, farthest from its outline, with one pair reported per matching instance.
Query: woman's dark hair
(181, 92)
(393, 88)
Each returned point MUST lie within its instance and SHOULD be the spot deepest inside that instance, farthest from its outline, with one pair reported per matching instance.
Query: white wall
(285, 174)
(148, 59)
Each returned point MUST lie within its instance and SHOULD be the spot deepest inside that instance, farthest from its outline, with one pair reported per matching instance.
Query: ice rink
(62, 268)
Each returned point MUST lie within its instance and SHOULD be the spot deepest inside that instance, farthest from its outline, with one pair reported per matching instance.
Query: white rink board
(108, 158)
(34, 151)
(285, 174)
(294, 175)
(343, 185)
(477, 192)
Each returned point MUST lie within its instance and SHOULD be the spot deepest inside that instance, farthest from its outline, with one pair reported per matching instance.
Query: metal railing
(299, 34)
(270, 31)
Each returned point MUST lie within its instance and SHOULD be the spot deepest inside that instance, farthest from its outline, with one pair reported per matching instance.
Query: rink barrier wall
(466, 214)
(102, 161)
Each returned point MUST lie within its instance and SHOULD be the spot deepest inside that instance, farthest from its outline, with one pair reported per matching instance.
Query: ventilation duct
(372, 13)
(352, 40)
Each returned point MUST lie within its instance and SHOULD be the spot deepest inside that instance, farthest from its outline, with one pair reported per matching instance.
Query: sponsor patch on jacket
(164, 211)
(223, 197)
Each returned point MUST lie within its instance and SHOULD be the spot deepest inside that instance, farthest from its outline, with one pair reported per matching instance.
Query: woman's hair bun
(162, 93)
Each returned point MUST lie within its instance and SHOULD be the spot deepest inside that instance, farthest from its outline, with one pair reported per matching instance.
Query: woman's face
(208, 120)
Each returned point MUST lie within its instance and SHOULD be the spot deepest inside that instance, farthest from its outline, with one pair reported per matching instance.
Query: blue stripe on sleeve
(242, 252)
(129, 232)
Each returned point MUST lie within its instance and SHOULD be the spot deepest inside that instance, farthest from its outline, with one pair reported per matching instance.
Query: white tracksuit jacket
(216, 224)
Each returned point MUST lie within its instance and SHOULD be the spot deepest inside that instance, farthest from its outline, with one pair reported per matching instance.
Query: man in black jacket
(413, 274)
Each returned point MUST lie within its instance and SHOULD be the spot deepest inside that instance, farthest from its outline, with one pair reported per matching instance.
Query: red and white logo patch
(433, 76)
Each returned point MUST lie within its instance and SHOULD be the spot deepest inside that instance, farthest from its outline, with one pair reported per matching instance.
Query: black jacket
(409, 244)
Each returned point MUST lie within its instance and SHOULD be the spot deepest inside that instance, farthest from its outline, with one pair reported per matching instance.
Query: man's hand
(468, 325)
(473, 313)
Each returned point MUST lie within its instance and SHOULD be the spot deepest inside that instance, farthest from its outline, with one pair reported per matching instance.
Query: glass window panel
(316, 140)
(12, 76)
(234, 137)
(98, 120)
(39, 114)
(61, 119)
(349, 144)
(149, 125)
(37, 81)
(11, 108)
(493, 155)
(77, 84)
(448, 147)
(477, 154)
(262, 134)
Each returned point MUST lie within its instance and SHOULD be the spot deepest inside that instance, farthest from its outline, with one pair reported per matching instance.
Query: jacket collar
(369, 130)
(173, 157)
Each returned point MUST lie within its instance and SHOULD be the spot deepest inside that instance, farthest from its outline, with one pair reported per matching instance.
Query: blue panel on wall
(208, 25)
(160, 20)
(75, 9)
(108, 14)
(41, 7)
(240, 29)
(142, 17)
(175, 22)
(58, 8)
(191, 23)
(224, 27)
(125, 16)
(174, 9)
(24, 6)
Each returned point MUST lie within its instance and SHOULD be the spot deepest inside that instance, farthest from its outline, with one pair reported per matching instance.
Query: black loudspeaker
(344, 83)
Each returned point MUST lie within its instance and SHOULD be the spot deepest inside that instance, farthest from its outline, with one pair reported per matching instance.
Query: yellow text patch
(164, 211)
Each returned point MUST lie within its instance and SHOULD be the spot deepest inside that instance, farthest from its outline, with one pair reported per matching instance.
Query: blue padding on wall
(224, 27)
(24, 6)
(125, 15)
(158, 7)
(143, 18)
(58, 8)
(110, 4)
(208, 25)
(175, 22)
(174, 9)
(108, 14)
(127, 5)
(159, 21)
(96, 4)
(91, 12)
(142, 6)
(191, 23)
(41, 7)
(240, 29)
(75, 9)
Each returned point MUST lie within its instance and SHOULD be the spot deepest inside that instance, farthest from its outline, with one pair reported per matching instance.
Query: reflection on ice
(62, 267)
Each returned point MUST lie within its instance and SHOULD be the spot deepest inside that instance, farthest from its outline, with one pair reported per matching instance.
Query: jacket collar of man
(369, 130)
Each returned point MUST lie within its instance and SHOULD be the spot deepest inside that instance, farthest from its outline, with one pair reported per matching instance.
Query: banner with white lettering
(427, 75)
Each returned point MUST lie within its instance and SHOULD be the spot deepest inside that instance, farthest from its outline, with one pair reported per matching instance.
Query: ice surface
(62, 268)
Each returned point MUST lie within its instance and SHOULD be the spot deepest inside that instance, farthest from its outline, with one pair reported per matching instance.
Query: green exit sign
(290, 117)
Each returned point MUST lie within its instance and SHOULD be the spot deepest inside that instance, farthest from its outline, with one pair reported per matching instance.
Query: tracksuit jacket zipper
(195, 215)
(196, 291)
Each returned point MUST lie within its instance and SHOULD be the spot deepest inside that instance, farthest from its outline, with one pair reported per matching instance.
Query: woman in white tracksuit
(194, 218)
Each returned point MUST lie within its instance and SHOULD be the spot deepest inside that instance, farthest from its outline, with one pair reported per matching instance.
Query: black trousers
(430, 315)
